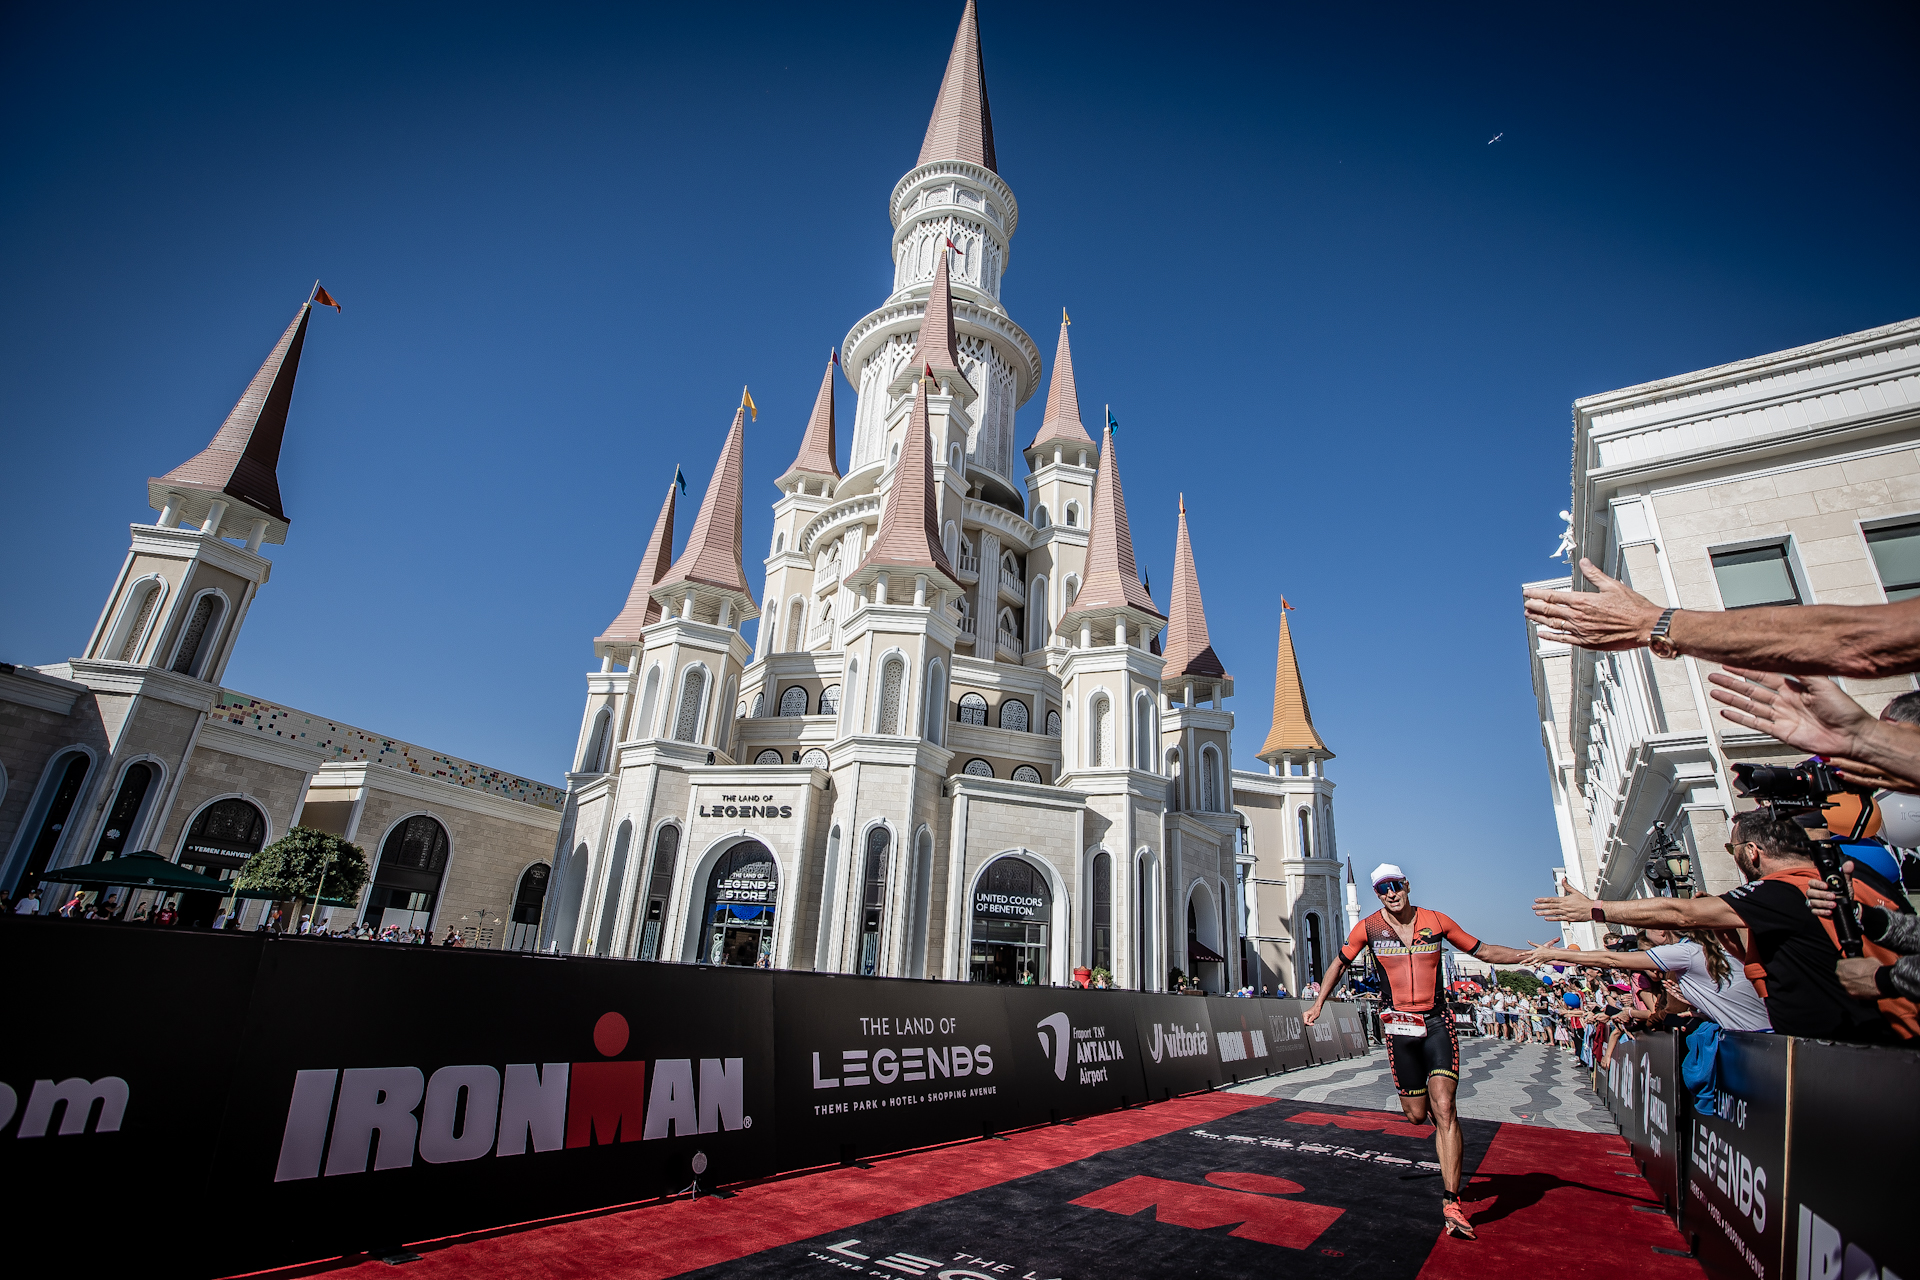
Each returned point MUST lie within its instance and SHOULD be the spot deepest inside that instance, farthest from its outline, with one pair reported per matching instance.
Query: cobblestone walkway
(1499, 1080)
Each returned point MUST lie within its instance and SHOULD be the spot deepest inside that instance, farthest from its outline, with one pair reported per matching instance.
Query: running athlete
(1422, 1044)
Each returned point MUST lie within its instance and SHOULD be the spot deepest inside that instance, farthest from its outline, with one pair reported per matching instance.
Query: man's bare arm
(1327, 984)
(1836, 640)
(1596, 959)
(1494, 953)
(1644, 913)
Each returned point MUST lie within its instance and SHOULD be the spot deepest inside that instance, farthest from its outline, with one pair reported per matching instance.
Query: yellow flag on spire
(1063, 316)
(746, 402)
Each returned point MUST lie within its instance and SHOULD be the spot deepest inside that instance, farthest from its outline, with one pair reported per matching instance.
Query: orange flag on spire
(324, 298)
(1284, 604)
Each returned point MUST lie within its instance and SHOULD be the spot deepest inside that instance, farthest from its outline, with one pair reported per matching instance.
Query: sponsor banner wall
(1337, 1034)
(1736, 1160)
(872, 1065)
(392, 1093)
(1078, 1052)
(1286, 1034)
(1177, 1048)
(1654, 1080)
(1849, 1190)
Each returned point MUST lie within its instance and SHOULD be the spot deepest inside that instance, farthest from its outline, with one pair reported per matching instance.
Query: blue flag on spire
(1113, 423)
(679, 479)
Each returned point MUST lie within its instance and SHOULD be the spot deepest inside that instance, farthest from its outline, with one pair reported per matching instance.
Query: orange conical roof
(641, 609)
(712, 554)
(242, 462)
(1189, 653)
(909, 536)
(962, 124)
(1293, 729)
(1113, 577)
(817, 448)
(1062, 420)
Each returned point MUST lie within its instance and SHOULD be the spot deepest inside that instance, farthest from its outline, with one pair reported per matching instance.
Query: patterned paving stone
(1526, 1083)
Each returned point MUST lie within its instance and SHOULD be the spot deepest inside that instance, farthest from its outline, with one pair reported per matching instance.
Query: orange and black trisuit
(1415, 984)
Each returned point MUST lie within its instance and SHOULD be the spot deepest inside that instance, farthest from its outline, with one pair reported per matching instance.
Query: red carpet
(1575, 1220)
(1222, 1185)
(672, 1239)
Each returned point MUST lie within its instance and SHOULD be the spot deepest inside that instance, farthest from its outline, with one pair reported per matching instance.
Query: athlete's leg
(1446, 1128)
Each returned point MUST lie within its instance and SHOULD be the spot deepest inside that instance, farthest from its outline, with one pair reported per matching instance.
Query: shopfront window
(742, 898)
(1012, 911)
(221, 839)
(406, 884)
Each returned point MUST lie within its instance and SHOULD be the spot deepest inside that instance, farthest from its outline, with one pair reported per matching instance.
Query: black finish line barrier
(1794, 1175)
(257, 1102)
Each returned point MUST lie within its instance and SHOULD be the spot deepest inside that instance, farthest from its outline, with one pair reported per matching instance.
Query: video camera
(1808, 788)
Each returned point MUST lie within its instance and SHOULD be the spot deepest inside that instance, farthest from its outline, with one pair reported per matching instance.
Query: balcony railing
(1009, 643)
(969, 564)
(969, 628)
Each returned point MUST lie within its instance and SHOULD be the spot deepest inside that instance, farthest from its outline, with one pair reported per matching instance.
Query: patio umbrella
(135, 870)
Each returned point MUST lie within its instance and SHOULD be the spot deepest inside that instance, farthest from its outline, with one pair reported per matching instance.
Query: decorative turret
(1191, 661)
(962, 124)
(231, 488)
(1061, 428)
(1293, 736)
(641, 609)
(708, 574)
(908, 543)
(933, 347)
(1112, 592)
(816, 460)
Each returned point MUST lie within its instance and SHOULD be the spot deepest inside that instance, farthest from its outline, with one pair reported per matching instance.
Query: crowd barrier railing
(1793, 1171)
(258, 1101)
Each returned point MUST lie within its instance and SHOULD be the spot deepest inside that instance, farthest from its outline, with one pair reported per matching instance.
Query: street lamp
(1669, 864)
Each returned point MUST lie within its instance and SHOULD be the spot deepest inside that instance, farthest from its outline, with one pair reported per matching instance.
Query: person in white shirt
(1712, 981)
(29, 905)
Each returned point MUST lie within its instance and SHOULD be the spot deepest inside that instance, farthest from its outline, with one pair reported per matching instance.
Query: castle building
(955, 748)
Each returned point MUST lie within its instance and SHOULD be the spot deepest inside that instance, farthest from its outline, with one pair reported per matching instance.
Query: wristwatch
(1658, 642)
(1599, 915)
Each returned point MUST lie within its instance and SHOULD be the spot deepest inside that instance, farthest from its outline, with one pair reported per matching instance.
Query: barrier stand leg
(693, 1189)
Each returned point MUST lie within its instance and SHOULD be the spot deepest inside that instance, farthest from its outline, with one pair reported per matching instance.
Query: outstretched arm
(1645, 913)
(1327, 984)
(1840, 640)
(1596, 959)
(1494, 953)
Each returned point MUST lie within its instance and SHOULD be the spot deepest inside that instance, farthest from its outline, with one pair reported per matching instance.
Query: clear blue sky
(1319, 302)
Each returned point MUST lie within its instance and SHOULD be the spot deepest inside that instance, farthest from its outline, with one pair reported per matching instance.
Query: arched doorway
(1012, 915)
(406, 886)
(222, 837)
(529, 896)
(573, 887)
(48, 819)
(1205, 964)
(742, 903)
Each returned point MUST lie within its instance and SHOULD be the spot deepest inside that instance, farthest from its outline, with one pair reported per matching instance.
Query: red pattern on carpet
(657, 1241)
(1551, 1202)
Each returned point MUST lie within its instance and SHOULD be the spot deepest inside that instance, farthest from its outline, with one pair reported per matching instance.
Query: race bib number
(1397, 1023)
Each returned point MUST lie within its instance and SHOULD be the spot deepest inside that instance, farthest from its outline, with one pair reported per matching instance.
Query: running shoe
(1456, 1219)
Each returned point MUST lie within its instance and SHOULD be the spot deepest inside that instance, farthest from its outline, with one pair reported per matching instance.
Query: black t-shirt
(1803, 994)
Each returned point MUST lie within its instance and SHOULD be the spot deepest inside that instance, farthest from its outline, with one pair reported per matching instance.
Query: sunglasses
(1391, 886)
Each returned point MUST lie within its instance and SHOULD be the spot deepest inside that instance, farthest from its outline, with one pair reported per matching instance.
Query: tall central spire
(962, 124)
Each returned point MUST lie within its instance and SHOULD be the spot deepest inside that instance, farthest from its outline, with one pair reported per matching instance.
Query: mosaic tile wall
(346, 743)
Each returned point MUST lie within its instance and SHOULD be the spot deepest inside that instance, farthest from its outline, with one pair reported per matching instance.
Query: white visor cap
(1385, 871)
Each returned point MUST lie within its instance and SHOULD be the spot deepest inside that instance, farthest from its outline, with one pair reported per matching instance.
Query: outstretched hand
(1569, 906)
(1613, 617)
(1809, 712)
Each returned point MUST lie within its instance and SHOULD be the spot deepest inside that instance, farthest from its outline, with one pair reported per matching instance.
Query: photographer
(1791, 954)
(1831, 639)
(1868, 977)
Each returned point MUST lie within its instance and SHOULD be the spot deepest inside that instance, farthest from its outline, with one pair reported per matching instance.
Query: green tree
(306, 864)
(1520, 980)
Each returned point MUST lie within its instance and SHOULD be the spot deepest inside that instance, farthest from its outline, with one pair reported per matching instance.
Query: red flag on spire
(927, 372)
(951, 245)
(1284, 604)
(325, 299)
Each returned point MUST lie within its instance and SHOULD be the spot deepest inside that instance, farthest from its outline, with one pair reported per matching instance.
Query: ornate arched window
(1102, 732)
(794, 701)
(935, 711)
(796, 623)
(594, 758)
(529, 898)
(1102, 896)
(406, 884)
(979, 768)
(1013, 715)
(1026, 773)
(892, 676)
(830, 700)
(1306, 834)
(1143, 743)
(1073, 515)
(815, 758)
(666, 847)
(191, 657)
(1073, 588)
(1039, 620)
(769, 756)
(1210, 780)
(125, 814)
(136, 616)
(693, 688)
(649, 703)
(873, 898)
(222, 837)
(759, 703)
(1040, 517)
(973, 709)
(1053, 724)
(779, 542)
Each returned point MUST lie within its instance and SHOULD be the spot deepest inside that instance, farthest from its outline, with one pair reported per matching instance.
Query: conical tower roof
(1190, 654)
(712, 554)
(818, 450)
(935, 347)
(241, 465)
(909, 537)
(1293, 731)
(641, 609)
(962, 124)
(1113, 577)
(1062, 419)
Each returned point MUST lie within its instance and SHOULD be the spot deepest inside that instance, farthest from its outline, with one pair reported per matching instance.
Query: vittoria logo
(339, 1120)
(1058, 1035)
(76, 1100)
(1178, 1042)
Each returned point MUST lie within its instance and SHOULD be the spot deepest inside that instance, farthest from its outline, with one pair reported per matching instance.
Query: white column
(215, 514)
(256, 536)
